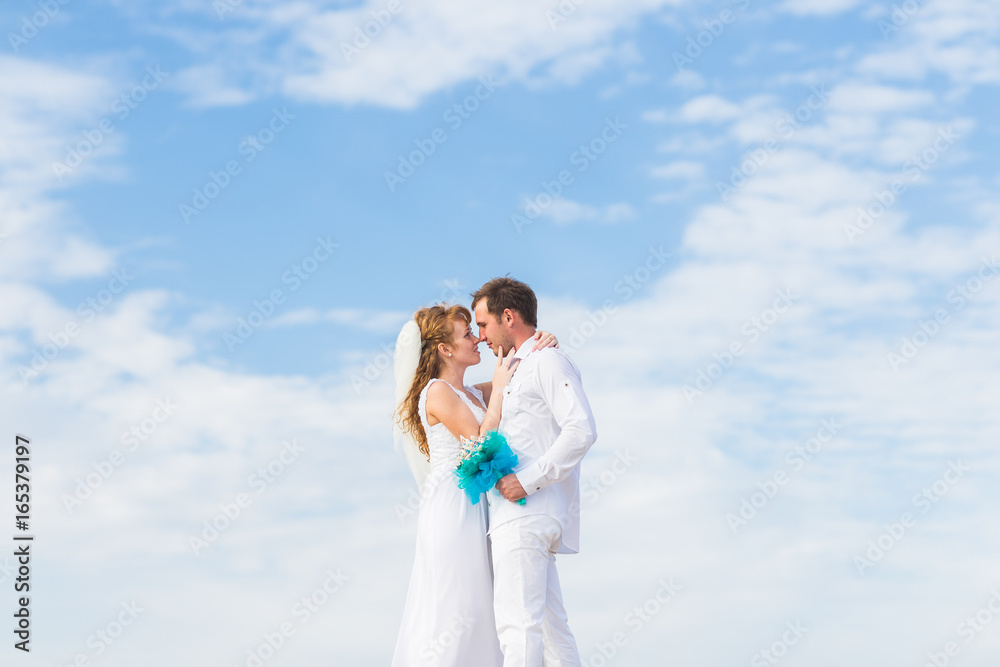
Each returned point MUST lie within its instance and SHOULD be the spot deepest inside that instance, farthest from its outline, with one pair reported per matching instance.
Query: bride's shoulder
(429, 390)
(438, 390)
(441, 400)
(431, 383)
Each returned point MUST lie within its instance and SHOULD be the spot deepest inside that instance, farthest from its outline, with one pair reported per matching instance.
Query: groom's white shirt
(549, 425)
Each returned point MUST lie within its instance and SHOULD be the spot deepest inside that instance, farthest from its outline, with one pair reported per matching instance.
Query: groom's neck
(522, 335)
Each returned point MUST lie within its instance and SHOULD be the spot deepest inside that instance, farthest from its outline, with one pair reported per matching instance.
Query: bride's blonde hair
(435, 325)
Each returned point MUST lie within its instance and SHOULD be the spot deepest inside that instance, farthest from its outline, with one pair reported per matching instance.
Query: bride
(448, 618)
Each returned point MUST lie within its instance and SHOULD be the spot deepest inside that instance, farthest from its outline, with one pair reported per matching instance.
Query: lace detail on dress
(478, 394)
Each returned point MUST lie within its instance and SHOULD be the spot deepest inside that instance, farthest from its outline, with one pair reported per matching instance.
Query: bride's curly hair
(435, 325)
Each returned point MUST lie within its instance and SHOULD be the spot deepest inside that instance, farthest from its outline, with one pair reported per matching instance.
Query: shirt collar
(525, 348)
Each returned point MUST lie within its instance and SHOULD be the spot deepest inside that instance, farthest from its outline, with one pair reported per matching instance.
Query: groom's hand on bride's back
(510, 488)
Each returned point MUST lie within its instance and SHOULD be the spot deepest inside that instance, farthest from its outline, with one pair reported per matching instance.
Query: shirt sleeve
(562, 391)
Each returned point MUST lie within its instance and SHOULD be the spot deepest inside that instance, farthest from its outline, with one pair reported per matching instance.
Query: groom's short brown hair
(504, 293)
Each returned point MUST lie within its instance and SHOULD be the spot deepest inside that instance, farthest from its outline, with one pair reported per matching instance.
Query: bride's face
(464, 344)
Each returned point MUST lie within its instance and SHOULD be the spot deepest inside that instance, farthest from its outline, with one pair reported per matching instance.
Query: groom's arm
(560, 387)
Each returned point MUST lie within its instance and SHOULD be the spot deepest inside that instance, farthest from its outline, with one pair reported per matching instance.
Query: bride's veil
(405, 368)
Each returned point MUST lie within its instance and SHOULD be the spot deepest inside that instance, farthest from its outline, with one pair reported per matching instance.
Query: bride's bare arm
(501, 376)
(446, 407)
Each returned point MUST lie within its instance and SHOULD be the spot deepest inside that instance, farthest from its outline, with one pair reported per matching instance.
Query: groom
(549, 425)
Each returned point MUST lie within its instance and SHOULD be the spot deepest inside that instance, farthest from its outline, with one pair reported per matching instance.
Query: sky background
(773, 255)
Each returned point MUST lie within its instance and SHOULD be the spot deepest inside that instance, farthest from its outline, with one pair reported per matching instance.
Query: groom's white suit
(549, 425)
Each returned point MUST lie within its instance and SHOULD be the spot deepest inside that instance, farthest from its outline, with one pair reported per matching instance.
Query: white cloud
(375, 321)
(692, 142)
(708, 109)
(682, 169)
(874, 11)
(207, 86)
(688, 80)
(957, 39)
(44, 107)
(756, 117)
(631, 79)
(818, 7)
(422, 49)
(856, 97)
(656, 116)
(564, 211)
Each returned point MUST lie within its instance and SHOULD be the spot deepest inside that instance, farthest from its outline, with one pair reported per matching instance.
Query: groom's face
(491, 331)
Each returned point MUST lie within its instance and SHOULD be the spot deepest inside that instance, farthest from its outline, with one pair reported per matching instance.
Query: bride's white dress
(448, 619)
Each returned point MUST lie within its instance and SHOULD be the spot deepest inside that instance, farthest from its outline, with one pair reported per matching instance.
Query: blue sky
(719, 331)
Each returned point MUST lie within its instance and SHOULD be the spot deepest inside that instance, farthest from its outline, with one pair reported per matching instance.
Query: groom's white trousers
(531, 620)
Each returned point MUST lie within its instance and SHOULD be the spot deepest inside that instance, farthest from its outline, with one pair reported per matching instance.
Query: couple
(466, 607)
